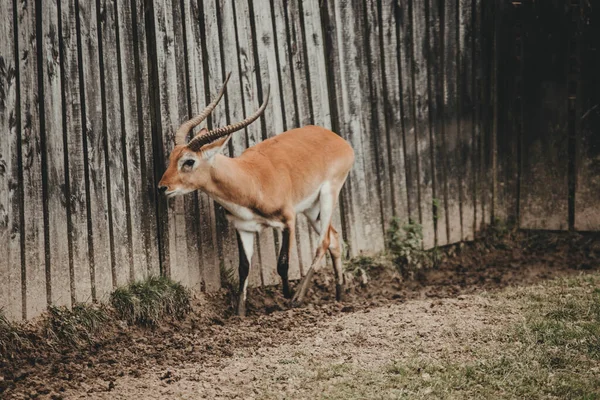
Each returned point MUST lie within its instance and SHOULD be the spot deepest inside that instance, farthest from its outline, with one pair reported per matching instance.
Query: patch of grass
(359, 267)
(12, 337)
(405, 244)
(149, 302)
(74, 327)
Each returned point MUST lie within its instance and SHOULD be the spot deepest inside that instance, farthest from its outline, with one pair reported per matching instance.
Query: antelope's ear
(209, 151)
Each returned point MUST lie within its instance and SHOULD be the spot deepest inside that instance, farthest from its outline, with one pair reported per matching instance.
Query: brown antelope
(298, 171)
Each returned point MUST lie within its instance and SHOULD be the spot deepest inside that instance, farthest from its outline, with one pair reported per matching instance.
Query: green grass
(552, 351)
(151, 301)
(74, 327)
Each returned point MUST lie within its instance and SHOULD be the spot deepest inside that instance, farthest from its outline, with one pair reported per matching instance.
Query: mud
(211, 336)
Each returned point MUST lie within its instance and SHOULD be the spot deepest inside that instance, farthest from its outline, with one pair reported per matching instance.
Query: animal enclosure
(458, 111)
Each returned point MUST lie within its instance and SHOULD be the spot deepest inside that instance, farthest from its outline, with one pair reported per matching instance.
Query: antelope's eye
(188, 163)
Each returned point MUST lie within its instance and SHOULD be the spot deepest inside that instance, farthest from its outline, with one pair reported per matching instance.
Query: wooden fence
(91, 93)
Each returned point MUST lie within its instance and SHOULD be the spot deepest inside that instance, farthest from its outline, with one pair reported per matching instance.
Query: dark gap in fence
(21, 190)
(43, 146)
(67, 189)
(86, 174)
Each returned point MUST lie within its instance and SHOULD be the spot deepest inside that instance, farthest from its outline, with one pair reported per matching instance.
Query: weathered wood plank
(544, 178)
(272, 121)
(214, 72)
(435, 83)
(54, 168)
(405, 41)
(73, 130)
(11, 296)
(196, 91)
(509, 112)
(132, 159)
(422, 127)
(170, 103)
(298, 63)
(35, 297)
(118, 215)
(478, 86)
(587, 191)
(93, 121)
(354, 120)
(378, 127)
(289, 116)
(393, 107)
(237, 56)
(466, 125)
(451, 125)
(148, 190)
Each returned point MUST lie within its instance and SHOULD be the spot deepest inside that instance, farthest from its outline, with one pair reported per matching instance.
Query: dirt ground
(279, 352)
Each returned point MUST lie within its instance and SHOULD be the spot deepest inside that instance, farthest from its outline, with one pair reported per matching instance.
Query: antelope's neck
(233, 182)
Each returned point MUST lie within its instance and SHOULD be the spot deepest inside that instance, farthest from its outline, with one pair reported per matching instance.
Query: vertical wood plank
(393, 108)
(191, 16)
(435, 84)
(466, 126)
(148, 178)
(10, 193)
(451, 124)
(93, 121)
(212, 215)
(34, 274)
(236, 58)
(290, 117)
(478, 86)
(73, 130)
(377, 128)
(272, 120)
(54, 168)
(171, 89)
(304, 115)
(544, 179)
(132, 160)
(354, 121)
(422, 128)
(509, 112)
(115, 158)
(405, 40)
(587, 191)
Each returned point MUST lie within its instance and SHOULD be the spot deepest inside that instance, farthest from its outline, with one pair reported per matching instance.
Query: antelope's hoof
(340, 294)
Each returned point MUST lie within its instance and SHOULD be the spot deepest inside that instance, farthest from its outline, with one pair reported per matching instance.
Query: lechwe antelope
(298, 171)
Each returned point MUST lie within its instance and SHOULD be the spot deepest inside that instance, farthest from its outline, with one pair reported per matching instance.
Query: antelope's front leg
(245, 249)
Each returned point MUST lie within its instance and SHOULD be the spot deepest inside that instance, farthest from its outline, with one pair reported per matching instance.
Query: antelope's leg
(320, 219)
(335, 251)
(283, 262)
(245, 249)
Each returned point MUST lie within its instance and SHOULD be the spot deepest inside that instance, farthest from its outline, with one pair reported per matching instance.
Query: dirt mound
(211, 332)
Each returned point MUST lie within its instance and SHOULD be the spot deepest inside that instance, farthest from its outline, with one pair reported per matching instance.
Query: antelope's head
(190, 162)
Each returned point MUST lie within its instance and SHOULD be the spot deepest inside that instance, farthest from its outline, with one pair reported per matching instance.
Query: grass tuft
(149, 302)
(75, 327)
(12, 338)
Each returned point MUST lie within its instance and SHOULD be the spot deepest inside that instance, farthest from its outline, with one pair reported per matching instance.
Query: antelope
(298, 171)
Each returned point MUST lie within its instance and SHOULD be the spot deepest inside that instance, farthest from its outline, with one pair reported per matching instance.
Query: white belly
(245, 220)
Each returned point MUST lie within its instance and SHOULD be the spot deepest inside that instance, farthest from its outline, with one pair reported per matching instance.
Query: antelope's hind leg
(245, 250)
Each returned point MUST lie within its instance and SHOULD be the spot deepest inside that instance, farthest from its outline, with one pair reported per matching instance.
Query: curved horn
(187, 126)
(200, 140)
